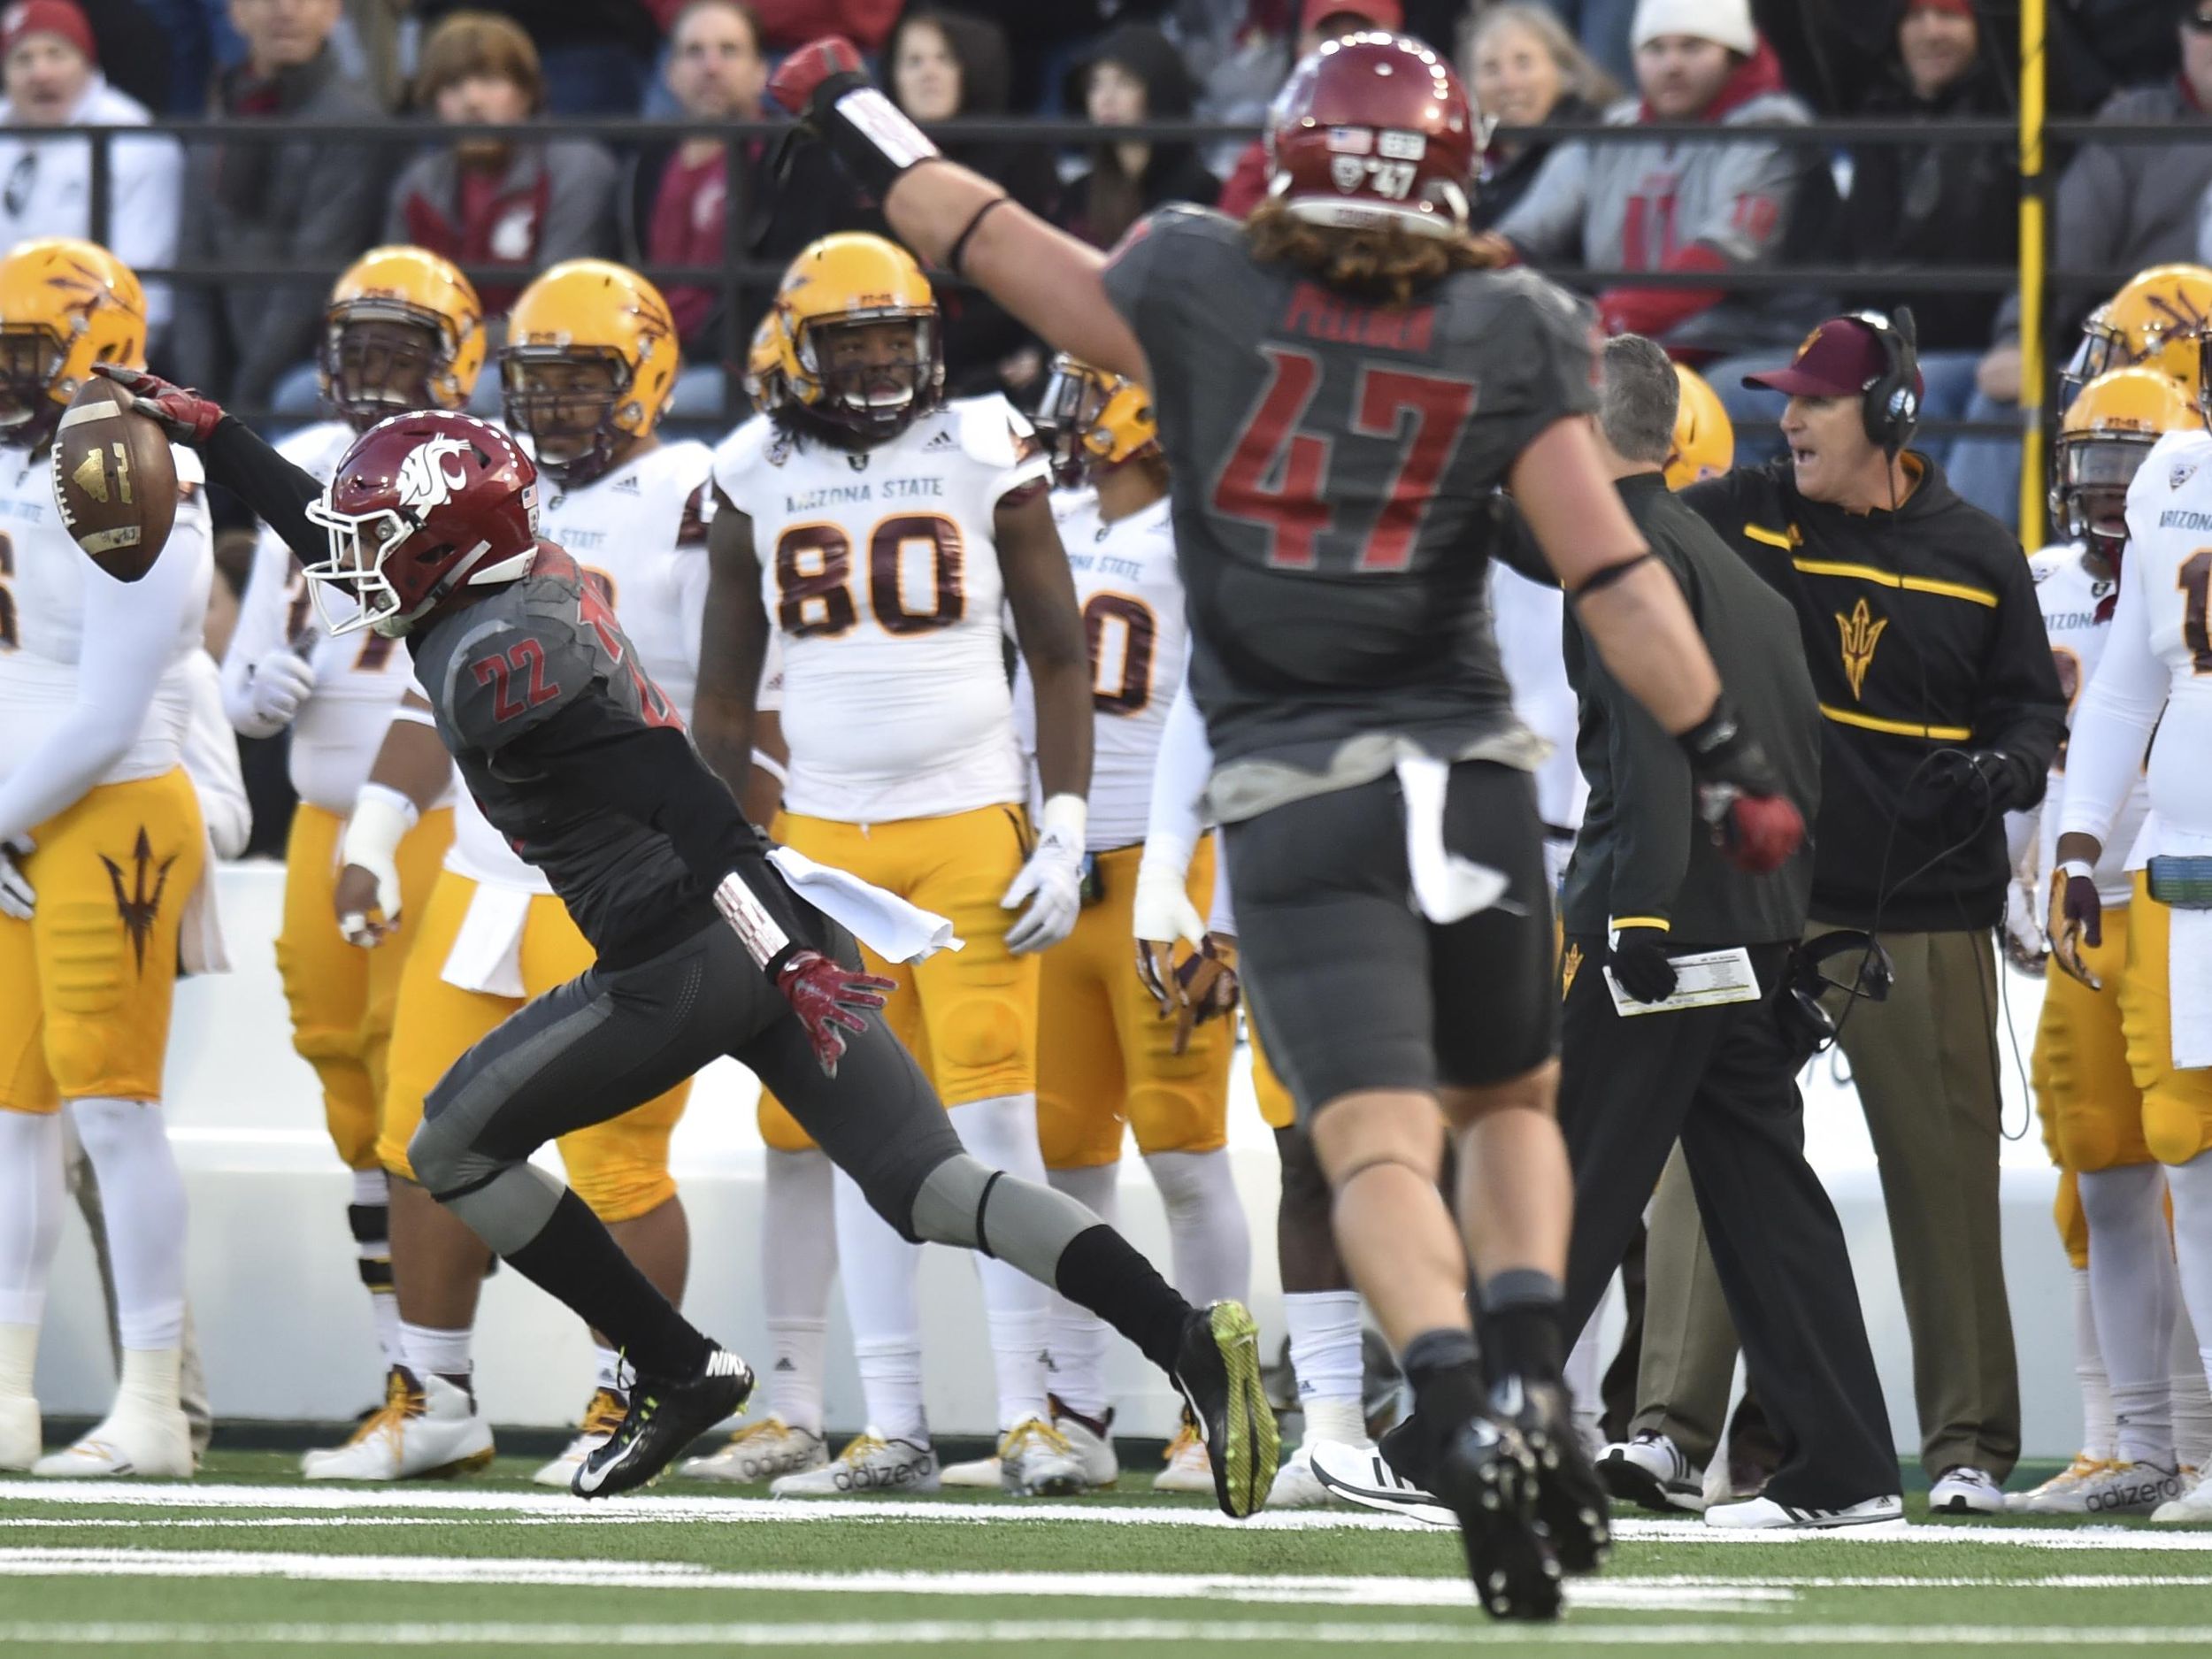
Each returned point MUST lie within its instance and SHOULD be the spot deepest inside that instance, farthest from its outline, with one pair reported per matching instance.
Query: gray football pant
(609, 1040)
(84, 1182)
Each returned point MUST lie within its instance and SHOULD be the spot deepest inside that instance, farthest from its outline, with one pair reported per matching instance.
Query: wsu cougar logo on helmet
(425, 481)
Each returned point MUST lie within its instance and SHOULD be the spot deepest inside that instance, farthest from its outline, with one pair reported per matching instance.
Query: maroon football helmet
(422, 505)
(1374, 129)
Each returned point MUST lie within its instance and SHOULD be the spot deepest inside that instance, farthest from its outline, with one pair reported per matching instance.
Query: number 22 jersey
(881, 581)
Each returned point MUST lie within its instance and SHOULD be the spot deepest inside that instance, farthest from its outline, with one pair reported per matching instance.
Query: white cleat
(1962, 1489)
(1035, 1461)
(870, 1466)
(1358, 1474)
(977, 1474)
(2194, 1506)
(2055, 1496)
(19, 1442)
(1102, 1469)
(136, 1439)
(426, 1429)
(1650, 1471)
(1765, 1513)
(602, 1417)
(759, 1453)
(1188, 1468)
(2112, 1488)
(1296, 1485)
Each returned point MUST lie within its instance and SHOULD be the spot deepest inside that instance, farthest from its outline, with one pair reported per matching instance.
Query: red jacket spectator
(784, 24)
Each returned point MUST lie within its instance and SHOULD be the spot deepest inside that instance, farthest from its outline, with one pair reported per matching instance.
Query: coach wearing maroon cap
(1941, 712)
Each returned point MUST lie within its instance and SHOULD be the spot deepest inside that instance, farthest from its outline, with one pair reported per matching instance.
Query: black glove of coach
(1987, 779)
(1639, 962)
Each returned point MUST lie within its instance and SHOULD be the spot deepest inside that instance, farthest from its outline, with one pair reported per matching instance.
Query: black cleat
(1217, 1368)
(1488, 1478)
(1572, 1505)
(664, 1418)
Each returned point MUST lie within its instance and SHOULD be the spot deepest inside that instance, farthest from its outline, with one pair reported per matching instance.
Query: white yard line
(1619, 1594)
(461, 1503)
(1000, 1633)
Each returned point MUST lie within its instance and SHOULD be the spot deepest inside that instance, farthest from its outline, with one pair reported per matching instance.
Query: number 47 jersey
(1335, 465)
(880, 577)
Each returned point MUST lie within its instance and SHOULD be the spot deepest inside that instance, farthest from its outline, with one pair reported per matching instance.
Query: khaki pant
(1925, 1063)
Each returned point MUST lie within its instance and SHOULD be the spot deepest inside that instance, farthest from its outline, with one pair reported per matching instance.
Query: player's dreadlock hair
(1387, 266)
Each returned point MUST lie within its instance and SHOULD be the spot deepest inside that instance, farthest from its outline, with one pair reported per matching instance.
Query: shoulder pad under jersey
(993, 432)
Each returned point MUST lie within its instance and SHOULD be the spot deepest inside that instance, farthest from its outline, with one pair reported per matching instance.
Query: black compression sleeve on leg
(1103, 1272)
(575, 1259)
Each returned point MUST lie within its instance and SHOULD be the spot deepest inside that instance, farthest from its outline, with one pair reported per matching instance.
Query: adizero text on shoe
(758, 1453)
(1487, 1476)
(665, 1416)
(2060, 1494)
(2123, 1489)
(1650, 1471)
(870, 1466)
(1217, 1368)
(1362, 1475)
(1572, 1505)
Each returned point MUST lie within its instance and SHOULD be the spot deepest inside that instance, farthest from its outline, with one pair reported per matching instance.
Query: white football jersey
(1132, 594)
(2078, 609)
(44, 576)
(359, 678)
(642, 530)
(881, 578)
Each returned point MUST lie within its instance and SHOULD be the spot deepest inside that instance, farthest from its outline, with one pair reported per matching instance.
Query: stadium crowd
(317, 284)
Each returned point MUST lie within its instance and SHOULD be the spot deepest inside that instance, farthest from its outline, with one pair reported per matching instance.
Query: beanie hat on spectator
(1724, 22)
(1383, 14)
(46, 16)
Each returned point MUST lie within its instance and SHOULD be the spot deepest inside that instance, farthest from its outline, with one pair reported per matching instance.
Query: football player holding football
(402, 331)
(103, 857)
(704, 944)
(1315, 373)
(877, 533)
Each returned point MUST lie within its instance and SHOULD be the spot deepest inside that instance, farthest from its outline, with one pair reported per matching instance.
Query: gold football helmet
(2160, 317)
(2108, 430)
(591, 361)
(429, 350)
(1091, 420)
(844, 304)
(763, 362)
(1704, 438)
(64, 305)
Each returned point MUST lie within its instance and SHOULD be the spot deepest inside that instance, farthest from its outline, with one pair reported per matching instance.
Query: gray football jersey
(497, 671)
(1335, 465)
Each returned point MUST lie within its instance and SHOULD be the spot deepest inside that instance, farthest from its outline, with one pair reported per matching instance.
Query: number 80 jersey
(881, 579)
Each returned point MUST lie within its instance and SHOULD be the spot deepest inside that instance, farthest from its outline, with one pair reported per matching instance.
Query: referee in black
(1646, 884)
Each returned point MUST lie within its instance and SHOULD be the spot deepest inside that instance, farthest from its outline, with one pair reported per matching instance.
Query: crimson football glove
(2077, 919)
(1202, 986)
(186, 416)
(1639, 961)
(828, 91)
(828, 1000)
(1739, 794)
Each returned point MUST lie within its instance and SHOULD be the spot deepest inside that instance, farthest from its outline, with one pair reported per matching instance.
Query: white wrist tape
(1065, 818)
(764, 761)
(382, 818)
(413, 716)
(2080, 867)
(762, 936)
(886, 125)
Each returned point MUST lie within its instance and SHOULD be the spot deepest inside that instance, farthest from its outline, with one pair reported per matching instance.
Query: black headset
(1889, 404)
(1803, 1013)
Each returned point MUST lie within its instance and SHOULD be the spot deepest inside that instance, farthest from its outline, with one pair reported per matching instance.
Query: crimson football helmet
(1371, 130)
(421, 505)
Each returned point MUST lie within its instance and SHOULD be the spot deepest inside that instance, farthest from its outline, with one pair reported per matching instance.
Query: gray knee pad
(966, 1202)
(504, 1203)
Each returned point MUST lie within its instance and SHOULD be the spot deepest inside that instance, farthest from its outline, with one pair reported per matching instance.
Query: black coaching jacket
(1922, 632)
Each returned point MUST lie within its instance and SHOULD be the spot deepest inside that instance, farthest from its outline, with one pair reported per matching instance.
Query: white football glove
(1163, 912)
(276, 687)
(2025, 946)
(1052, 881)
(382, 818)
(16, 898)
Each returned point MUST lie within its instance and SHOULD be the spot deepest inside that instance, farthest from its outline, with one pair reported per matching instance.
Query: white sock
(1207, 1240)
(384, 1305)
(1324, 1356)
(149, 1379)
(141, 1194)
(19, 1360)
(32, 1195)
(2191, 1400)
(798, 1259)
(2097, 1433)
(1001, 1132)
(2131, 1291)
(609, 1370)
(1076, 1340)
(2191, 1184)
(877, 1268)
(432, 1352)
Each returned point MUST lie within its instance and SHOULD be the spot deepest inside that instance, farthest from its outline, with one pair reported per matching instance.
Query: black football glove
(1740, 794)
(1639, 960)
(186, 416)
(1986, 781)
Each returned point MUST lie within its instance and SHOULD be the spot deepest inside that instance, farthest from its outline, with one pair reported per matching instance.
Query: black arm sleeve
(240, 460)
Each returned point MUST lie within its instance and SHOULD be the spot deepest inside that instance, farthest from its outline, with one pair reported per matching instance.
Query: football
(114, 481)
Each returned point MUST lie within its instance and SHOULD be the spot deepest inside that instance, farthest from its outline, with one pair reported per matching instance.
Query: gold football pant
(90, 979)
(620, 1167)
(2177, 1104)
(343, 998)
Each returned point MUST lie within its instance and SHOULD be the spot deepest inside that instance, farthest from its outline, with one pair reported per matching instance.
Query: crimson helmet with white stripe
(1373, 130)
